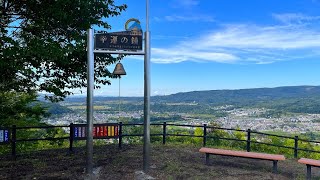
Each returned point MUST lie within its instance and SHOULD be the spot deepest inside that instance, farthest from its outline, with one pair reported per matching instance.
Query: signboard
(124, 40)
(131, 39)
(100, 131)
(4, 136)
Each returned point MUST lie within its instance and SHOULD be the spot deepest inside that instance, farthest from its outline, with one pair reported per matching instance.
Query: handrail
(268, 134)
(119, 128)
(305, 140)
(184, 125)
(231, 139)
(269, 144)
(41, 127)
(228, 129)
(41, 139)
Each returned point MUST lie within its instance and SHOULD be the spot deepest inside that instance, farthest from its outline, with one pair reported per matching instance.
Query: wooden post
(275, 167)
(13, 141)
(308, 172)
(207, 159)
(71, 137)
(204, 135)
(296, 138)
(248, 140)
(120, 135)
(164, 133)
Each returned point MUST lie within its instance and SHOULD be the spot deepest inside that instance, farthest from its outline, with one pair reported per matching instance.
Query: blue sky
(222, 44)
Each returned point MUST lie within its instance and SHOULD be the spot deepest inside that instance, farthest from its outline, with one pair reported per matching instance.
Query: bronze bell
(119, 69)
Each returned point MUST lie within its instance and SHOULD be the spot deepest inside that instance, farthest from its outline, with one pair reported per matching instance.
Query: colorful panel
(1, 135)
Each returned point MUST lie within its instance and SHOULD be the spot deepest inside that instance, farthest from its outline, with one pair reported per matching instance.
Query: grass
(167, 162)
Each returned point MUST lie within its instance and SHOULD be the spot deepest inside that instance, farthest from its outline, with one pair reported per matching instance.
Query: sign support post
(146, 130)
(90, 88)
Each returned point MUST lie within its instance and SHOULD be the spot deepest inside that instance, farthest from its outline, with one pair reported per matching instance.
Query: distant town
(243, 118)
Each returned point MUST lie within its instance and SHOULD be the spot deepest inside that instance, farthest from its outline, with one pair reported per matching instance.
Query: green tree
(43, 48)
(43, 44)
(240, 136)
(198, 132)
(20, 109)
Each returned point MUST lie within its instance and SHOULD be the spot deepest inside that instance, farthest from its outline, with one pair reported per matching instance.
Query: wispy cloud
(186, 17)
(184, 3)
(294, 18)
(245, 43)
(266, 37)
(162, 37)
(203, 18)
(181, 54)
(185, 10)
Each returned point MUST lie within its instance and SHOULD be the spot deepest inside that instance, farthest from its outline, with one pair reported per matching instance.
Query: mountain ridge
(255, 94)
(212, 96)
(298, 99)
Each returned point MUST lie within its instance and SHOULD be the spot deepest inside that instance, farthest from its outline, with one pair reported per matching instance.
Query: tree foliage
(20, 109)
(43, 44)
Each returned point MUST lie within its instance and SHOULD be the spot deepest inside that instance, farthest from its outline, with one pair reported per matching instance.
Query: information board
(100, 131)
(4, 136)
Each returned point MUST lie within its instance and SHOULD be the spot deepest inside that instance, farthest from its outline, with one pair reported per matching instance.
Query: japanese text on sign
(125, 40)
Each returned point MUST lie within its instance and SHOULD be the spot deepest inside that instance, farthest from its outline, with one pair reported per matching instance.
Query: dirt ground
(167, 162)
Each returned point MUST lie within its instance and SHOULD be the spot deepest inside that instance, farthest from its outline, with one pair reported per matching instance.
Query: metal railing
(207, 135)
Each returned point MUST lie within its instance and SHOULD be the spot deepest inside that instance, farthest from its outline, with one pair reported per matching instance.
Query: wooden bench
(309, 163)
(252, 155)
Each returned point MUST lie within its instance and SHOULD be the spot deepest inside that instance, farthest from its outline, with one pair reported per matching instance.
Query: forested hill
(305, 99)
(300, 99)
(243, 95)
(218, 97)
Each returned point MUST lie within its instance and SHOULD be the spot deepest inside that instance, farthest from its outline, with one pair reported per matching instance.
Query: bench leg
(275, 167)
(308, 172)
(207, 158)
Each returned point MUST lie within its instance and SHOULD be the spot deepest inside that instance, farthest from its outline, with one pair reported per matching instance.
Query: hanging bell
(119, 69)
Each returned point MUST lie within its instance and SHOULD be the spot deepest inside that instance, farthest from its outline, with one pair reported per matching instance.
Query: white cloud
(185, 3)
(176, 55)
(165, 37)
(185, 17)
(202, 18)
(244, 43)
(189, 12)
(294, 18)
(253, 36)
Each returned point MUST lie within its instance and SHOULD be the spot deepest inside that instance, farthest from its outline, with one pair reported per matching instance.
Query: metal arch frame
(90, 88)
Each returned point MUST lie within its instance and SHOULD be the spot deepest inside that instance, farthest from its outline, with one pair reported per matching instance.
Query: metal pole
(119, 98)
(90, 87)
(146, 135)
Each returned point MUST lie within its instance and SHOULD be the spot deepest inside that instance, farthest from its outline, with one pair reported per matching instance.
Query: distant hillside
(300, 99)
(55, 108)
(304, 99)
(243, 95)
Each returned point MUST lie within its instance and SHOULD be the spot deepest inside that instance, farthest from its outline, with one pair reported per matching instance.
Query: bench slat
(274, 157)
(311, 162)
